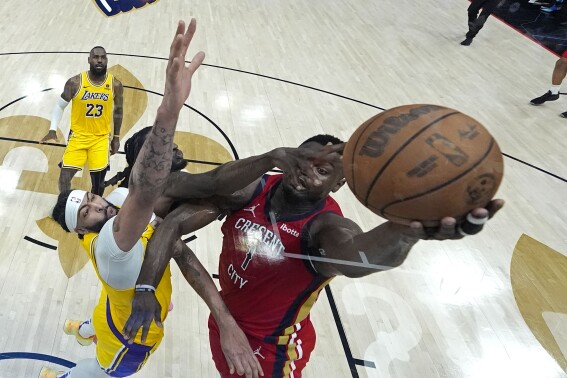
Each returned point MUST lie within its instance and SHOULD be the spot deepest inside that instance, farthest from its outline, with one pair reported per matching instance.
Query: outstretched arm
(161, 248)
(339, 247)
(234, 343)
(152, 167)
(165, 244)
(235, 175)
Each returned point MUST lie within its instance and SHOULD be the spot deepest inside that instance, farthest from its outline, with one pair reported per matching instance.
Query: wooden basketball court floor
(277, 72)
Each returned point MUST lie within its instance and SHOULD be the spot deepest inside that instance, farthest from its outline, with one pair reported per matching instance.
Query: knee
(561, 64)
(66, 174)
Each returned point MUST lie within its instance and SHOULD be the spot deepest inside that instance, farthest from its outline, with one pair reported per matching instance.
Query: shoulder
(117, 84)
(105, 241)
(74, 81)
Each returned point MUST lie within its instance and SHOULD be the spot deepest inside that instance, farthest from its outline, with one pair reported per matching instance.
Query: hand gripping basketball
(423, 162)
(449, 228)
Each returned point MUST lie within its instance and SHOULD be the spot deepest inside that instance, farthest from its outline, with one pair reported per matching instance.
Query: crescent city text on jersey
(260, 233)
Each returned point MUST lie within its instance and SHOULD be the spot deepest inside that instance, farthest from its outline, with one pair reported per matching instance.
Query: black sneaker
(564, 115)
(546, 97)
(466, 42)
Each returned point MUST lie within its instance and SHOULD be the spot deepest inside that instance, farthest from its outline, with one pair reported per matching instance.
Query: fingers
(238, 366)
(418, 230)
(330, 152)
(145, 330)
(157, 318)
(449, 228)
(188, 36)
(196, 62)
(173, 69)
(331, 148)
(230, 365)
(258, 366)
(129, 327)
(446, 228)
(176, 46)
(177, 39)
(244, 363)
(180, 45)
(494, 206)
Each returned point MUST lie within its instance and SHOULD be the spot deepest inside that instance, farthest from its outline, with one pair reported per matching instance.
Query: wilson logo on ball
(379, 138)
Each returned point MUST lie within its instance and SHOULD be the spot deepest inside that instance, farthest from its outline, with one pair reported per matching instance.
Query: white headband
(72, 208)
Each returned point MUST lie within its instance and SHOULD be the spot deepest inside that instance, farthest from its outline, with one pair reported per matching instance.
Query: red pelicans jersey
(267, 281)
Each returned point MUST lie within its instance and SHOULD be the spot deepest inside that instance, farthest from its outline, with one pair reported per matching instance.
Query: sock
(555, 89)
(86, 329)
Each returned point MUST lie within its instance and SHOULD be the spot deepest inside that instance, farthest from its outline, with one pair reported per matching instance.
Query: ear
(338, 185)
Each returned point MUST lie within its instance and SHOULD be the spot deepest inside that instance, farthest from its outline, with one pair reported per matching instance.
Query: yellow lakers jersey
(121, 300)
(91, 112)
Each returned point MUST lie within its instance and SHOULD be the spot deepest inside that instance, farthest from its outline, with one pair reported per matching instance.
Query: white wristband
(145, 288)
(57, 113)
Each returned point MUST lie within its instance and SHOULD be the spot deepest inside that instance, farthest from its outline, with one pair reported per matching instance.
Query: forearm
(165, 242)
(57, 113)
(387, 245)
(153, 164)
(222, 181)
(159, 251)
(201, 281)
(358, 254)
(117, 121)
(235, 175)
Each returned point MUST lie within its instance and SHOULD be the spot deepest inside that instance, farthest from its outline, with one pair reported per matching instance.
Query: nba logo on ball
(422, 163)
(113, 7)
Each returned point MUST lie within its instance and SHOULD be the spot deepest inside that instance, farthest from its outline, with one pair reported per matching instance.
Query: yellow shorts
(113, 353)
(91, 149)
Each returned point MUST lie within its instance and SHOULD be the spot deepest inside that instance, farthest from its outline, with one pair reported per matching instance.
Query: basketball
(423, 163)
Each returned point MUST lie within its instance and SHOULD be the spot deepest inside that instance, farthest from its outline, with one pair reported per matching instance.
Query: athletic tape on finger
(471, 225)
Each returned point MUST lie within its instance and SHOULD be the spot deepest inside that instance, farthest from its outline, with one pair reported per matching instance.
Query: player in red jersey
(284, 240)
(559, 73)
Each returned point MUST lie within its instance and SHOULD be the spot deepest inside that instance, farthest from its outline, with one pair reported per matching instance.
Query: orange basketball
(422, 162)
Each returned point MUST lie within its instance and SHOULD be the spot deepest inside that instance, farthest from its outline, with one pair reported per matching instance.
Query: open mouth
(302, 184)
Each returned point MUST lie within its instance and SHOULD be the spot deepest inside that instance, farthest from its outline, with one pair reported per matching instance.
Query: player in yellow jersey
(115, 232)
(97, 102)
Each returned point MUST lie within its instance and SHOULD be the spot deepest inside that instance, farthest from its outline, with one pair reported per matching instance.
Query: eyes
(90, 198)
(322, 171)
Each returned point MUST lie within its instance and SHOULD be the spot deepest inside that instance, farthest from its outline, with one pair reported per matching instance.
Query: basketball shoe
(71, 327)
(544, 98)
(49, 373)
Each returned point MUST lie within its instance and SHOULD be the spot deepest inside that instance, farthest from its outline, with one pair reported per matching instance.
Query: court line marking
(36, 356)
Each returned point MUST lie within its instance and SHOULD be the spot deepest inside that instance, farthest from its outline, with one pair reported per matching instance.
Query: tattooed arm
(165, 244)
(152, 167)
